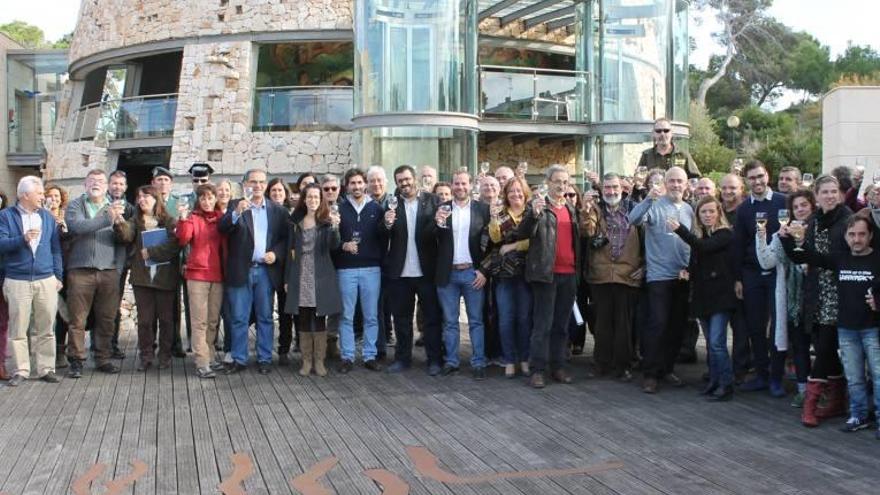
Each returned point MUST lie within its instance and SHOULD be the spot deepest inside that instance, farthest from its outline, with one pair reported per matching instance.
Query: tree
(24, 34)
(762, 61)
(705, 145)
(64, 42)
(741, 21)
(857, 60)
(810, 67)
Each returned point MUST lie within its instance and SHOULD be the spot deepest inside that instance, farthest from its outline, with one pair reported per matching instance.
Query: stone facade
(109, 24)
(505, 152)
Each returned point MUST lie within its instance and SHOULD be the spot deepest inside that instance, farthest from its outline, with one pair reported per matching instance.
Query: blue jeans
(366, 284)
(715, 333)
(460, 285)
(855, 347)
(514, 299)
(258, 294)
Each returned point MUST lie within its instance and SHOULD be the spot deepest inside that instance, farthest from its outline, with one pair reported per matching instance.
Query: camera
(598, 242)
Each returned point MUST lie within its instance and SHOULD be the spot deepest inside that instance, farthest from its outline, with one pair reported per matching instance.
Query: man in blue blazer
(30, 244)
(257, 242)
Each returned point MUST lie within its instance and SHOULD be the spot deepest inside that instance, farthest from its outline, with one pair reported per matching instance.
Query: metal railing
(534, 94)
(303, 108)
(135, 117)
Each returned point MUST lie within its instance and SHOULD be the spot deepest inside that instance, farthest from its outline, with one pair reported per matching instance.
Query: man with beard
(614, 272)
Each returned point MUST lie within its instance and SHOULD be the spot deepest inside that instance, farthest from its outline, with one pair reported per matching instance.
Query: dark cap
(157, 171)
(201, 170)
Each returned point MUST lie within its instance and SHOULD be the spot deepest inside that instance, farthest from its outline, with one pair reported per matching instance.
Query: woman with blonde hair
(713, 299)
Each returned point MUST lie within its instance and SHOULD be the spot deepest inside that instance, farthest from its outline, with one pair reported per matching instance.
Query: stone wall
(109, 24)
(492, 27)
(539, 157)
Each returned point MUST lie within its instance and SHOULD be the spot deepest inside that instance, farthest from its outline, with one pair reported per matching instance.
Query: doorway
(138, 163)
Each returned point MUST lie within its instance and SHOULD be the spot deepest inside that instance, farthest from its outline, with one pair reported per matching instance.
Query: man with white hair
(427, 178)
(30, 244)
(377, 184)
(666, 257)
(503, 174)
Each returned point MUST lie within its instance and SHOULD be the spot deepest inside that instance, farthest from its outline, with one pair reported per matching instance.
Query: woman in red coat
(204, 275)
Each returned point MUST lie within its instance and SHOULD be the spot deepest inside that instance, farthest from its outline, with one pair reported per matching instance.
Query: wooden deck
(174, 433)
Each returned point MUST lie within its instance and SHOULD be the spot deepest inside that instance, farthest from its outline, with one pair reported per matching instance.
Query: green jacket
(678, 158)
(167, 276)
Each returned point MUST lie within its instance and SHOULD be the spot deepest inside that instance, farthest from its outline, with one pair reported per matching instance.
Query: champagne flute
(484, 167)
(807, 180)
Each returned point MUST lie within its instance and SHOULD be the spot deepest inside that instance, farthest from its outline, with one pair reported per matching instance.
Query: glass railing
(533, 94)
(137, 117)
(303, 108)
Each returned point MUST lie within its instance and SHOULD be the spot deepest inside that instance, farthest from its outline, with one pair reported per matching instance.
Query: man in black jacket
(461, 226)
(409, 267)
(257, 237)
(552, 265)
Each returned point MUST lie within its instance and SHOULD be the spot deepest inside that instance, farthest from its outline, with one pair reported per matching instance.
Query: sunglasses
(662, 131)
(330, 188)
(200, 181)
(571, 195)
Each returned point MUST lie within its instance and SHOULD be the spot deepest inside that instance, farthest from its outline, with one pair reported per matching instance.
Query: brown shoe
(649, 386)
(3, 374)
(561, 376)
(537, 380)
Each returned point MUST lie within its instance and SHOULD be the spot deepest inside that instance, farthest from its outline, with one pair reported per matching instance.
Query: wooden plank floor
(256, 434)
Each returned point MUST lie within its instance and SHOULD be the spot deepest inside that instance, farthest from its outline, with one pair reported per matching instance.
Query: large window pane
(34, 83)
(635, 59)
(444, 148)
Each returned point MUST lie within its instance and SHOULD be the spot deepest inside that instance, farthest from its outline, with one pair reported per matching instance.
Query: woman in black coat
(310, 279)
(713, 299)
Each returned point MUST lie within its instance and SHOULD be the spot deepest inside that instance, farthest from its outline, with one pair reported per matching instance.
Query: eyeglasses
(330, 188)
(200, 181)
(662, 131)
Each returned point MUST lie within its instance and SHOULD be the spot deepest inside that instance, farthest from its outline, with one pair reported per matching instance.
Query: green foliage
(64, 42)
(810, 68)
(705, 145)
(857, 60)
(25, 34)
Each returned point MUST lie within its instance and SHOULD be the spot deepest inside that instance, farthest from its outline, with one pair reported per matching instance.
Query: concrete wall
(851, 128)
(8, 177)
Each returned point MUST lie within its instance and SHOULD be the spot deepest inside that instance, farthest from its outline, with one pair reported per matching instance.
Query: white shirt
(768, 195)
(461, 227)
(411, 265)
(30, 221)
(358, 207)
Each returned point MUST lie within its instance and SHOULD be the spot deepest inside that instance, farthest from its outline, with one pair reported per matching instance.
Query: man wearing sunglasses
(664, 154)
(200, 174)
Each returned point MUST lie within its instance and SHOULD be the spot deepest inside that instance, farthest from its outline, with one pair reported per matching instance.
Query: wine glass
(356, 237)
(392, 202)
(877, 178)
(807, 180)
(522, 168)
(677, 218)
(447, 210)
(49, 203)
(738, 166)
(484, 167)
(249, 193)
(334, 208)
(761, 219)
(783, 216)
(797, 231)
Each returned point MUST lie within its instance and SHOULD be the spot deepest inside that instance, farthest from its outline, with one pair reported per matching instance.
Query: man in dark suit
(461, 226)
(409, 268)
(257, 233)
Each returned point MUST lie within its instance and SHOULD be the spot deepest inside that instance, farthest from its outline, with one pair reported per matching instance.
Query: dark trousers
(285, 324)
(827, 362)
(661, 336)
(307, 320)
(613, 330)
(577, 334)
(551, 311)
(491, 334)
(758, 294)
(154, 306)
(799, 343)
(402, 294)
(742, 350)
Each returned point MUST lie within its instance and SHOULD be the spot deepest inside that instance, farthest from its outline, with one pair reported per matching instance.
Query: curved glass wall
(444, 148)
(415, 56)
(680, 47)
(634, 61)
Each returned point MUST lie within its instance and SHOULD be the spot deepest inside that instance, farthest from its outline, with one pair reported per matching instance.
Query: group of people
(644, 262)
